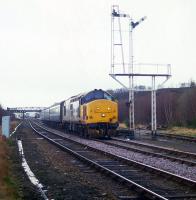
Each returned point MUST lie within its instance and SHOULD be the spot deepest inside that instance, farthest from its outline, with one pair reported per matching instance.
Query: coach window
(71, 109)
(64, 110)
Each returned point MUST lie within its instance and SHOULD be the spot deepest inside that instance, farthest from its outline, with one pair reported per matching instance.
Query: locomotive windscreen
(96, 94)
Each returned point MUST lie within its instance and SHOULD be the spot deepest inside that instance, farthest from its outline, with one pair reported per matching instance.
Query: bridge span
(25, 109)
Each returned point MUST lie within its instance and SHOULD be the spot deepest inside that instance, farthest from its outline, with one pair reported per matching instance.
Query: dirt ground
(62, 176)
(8, 182)
(3, 169)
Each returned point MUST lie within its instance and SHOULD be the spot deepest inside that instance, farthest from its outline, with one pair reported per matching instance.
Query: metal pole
(152, 111)
(153, 108)
(112, 42)
(131, 83)
(121, 43)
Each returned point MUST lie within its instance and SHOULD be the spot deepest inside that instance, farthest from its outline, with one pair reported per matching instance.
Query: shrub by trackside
(8, 184)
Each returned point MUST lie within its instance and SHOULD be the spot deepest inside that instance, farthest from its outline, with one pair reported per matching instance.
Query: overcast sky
(51, 50)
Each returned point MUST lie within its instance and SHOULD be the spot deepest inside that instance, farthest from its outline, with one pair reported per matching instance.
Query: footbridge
(25, 109)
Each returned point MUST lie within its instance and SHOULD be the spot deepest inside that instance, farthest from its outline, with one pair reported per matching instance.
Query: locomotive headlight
(109, 108)
(103, 115)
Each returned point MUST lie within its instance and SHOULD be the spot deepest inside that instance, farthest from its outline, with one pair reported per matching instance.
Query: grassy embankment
(8, 185)
(183, 131)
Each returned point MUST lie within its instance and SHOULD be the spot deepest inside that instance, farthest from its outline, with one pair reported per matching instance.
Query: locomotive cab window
(108, 97)
(96, 94)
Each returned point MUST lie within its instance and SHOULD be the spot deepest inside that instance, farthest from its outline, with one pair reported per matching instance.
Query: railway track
(156, 151)
(149, 182)
(180, 137)
(163, 135)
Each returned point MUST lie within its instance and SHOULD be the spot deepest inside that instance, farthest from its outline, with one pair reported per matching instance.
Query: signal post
(122, 63)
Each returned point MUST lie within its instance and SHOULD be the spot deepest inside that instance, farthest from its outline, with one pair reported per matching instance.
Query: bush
(191, 123)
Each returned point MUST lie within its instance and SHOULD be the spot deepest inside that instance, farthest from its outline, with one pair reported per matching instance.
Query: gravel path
(161, 163)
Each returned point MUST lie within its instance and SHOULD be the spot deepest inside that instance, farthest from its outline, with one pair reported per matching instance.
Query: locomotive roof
(85, 93)
(76, 97)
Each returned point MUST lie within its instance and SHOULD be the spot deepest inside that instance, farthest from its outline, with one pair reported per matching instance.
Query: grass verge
(9, 187)
(8, 184)
(183, 131)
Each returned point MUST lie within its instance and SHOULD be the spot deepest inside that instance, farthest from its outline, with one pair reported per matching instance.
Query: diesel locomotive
(93, 113)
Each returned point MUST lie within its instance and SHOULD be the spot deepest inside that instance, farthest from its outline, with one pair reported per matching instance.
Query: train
(94, 113)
